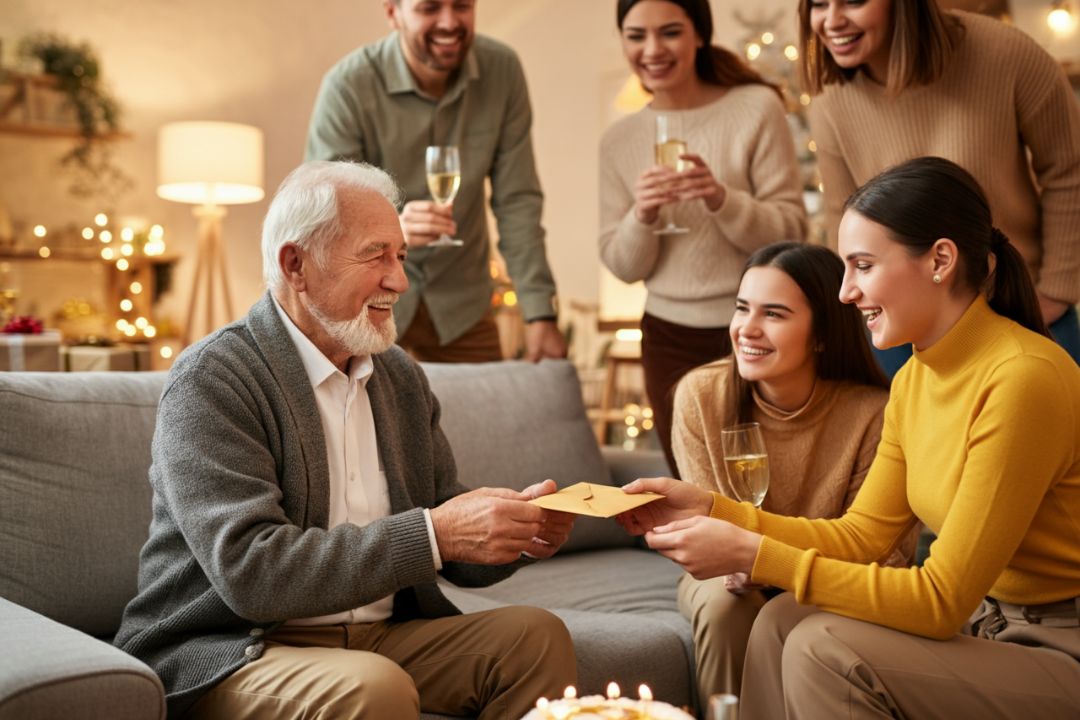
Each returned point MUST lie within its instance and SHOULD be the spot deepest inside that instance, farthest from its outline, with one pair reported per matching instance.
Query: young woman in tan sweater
(899, 79)
(739, 191)
(802, 369)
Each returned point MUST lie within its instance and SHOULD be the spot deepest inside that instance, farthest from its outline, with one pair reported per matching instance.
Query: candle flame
(644, 692)
(613, 690)
(570, 693)
(542, 703)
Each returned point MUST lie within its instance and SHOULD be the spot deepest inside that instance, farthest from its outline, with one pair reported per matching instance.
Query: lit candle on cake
(645, 694)
(570, 692)
(542, 708)
(612, 690)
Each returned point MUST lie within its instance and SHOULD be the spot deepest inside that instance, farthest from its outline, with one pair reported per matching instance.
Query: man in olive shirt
(433, 82)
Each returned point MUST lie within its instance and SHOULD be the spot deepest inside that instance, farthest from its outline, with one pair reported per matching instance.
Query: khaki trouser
(480, 343)
(492, 664)
(721, 622)
(805, 663)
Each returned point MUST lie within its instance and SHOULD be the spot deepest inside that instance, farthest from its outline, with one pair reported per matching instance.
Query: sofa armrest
(628, 465)
(51, 670)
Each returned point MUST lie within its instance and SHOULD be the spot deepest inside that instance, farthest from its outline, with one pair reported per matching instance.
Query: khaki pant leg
(838, 667)
(721, 623)
(762, 696)
(493, 664)
(323, 681)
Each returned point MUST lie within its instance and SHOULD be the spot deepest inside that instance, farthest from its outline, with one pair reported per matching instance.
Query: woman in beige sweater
(740, 191)
(897, 80)
(802, 369)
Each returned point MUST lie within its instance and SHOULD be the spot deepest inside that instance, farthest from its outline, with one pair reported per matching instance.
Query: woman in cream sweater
(981, 442)
(901, 79)
(739, 191)
(801, 369)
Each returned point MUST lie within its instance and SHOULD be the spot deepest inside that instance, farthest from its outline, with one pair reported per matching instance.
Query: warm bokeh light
(40, 231)
(135, 287)
(791, 53)
(141, 322)
(510, 298)
(101, 219)
(127, 249)
(44, 251)
(88, 233)
(130, 331)
(1061, 21)
(127, 234)
(105, 236)
(107, 253)
(628, 335)
(126, 305)
(165, 352)
(122, 265)
(149, 331)
(753, 50)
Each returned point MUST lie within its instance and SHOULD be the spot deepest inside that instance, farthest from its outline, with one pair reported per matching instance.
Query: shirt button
(256, 632)
(252, 651)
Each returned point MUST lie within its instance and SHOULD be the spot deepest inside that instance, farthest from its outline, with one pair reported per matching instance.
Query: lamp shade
(210, 163)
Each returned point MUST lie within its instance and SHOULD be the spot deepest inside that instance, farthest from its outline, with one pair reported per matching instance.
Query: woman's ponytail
(1011, 292)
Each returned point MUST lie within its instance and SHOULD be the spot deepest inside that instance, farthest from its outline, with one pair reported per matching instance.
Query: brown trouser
(669, 351)
(805, 663)
(492, 664)
(480, 343)
(721, 623)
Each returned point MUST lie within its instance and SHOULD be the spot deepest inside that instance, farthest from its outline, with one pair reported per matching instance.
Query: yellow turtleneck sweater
(982, 443)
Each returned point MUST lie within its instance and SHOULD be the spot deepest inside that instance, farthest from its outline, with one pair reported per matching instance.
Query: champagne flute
(670, 145)
(443, 165)
(746, 462)
(723, 707)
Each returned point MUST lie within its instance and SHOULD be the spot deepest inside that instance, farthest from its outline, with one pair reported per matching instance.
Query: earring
(936, 279)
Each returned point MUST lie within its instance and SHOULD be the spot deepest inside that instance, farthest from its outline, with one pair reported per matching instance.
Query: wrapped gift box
(30, 352)
(90, 358)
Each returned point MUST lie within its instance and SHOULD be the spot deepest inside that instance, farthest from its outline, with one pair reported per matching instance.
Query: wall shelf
(31, 105)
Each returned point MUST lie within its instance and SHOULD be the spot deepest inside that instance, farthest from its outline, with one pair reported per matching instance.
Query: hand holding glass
(669, 148)
(443, 165)
(746, 462)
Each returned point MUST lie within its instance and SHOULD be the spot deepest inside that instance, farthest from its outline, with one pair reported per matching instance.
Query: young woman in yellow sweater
(802, 369)
(738, 189)
(981, 442)
(898, 79)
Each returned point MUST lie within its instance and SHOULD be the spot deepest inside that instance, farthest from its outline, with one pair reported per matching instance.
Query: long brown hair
(928, 198)
(923, 37)
(843, 352)
(713, 64)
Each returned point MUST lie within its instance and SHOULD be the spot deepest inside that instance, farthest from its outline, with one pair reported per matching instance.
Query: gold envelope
(595, 500)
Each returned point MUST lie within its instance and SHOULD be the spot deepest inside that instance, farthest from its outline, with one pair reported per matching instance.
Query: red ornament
(24, 325)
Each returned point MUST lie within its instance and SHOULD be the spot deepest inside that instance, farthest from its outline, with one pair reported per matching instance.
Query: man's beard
(360, 336)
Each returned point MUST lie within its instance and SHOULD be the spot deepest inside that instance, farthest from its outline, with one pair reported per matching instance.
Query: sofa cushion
(48, 670)
(512, 424)
(621, 608)
(74, 491)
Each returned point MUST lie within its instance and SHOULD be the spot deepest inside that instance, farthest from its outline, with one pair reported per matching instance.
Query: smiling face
(893, 289)
(435, 34)
(856, 33)
(351, 293)
(660, 43)
(772, 336)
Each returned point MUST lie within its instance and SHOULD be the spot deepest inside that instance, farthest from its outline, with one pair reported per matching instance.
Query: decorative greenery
(78, 74)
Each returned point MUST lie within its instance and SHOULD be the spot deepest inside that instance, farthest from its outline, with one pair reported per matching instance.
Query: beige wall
(260, 62)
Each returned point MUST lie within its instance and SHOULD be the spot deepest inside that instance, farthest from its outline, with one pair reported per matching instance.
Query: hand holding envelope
(595, 500)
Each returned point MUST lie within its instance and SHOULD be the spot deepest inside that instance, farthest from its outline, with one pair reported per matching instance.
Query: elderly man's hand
(493, 526)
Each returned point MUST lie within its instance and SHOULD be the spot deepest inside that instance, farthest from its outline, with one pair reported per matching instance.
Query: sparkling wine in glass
(443, 165)
(670, 145)
(746, 462)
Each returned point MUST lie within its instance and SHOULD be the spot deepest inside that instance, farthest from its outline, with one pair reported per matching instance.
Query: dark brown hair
(837, 329)
(923, 37)
(714, 65)
(923, 200)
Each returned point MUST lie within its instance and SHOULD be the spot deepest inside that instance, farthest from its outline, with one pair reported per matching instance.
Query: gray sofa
(75, 508)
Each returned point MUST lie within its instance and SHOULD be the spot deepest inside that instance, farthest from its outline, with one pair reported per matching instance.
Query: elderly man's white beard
(360, 336)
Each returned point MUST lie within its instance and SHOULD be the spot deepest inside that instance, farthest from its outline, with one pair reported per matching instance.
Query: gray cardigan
(239, 541)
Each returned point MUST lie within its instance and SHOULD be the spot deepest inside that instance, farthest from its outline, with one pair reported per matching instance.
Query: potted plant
(97, 113)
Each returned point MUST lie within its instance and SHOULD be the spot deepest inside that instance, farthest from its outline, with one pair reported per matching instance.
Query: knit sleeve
(628, 248)
(1048, 115)
(836, 178)
(1005, 475)
(688, 434)
(773, 210)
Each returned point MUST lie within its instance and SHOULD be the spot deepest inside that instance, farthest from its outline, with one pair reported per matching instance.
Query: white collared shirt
(358, 490)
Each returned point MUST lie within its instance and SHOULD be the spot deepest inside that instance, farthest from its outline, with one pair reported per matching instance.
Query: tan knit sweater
(692, 279)
(818, 455)
(1000, 96)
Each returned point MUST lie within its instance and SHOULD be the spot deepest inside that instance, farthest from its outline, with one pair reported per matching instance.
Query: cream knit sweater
(1001, 96)
(692, 279)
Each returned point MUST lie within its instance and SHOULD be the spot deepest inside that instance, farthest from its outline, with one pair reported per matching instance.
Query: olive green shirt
(370, 109)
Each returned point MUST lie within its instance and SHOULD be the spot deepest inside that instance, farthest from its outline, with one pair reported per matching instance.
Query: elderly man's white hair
(304, 210)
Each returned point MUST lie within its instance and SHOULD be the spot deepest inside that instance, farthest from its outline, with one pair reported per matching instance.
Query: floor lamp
(210, 165)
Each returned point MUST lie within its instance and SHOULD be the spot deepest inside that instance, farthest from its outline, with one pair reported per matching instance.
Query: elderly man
(305, 498)
(435, 82)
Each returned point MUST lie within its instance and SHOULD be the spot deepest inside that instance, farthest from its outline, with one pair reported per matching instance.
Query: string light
(101, 219)
(122, 265)
(40, 231)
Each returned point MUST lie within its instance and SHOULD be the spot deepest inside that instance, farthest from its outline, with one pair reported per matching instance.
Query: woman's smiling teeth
(844, 39)
(871, 315)
(753, 351)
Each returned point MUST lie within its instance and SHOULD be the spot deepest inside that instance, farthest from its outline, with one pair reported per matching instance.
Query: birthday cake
(598, 707)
